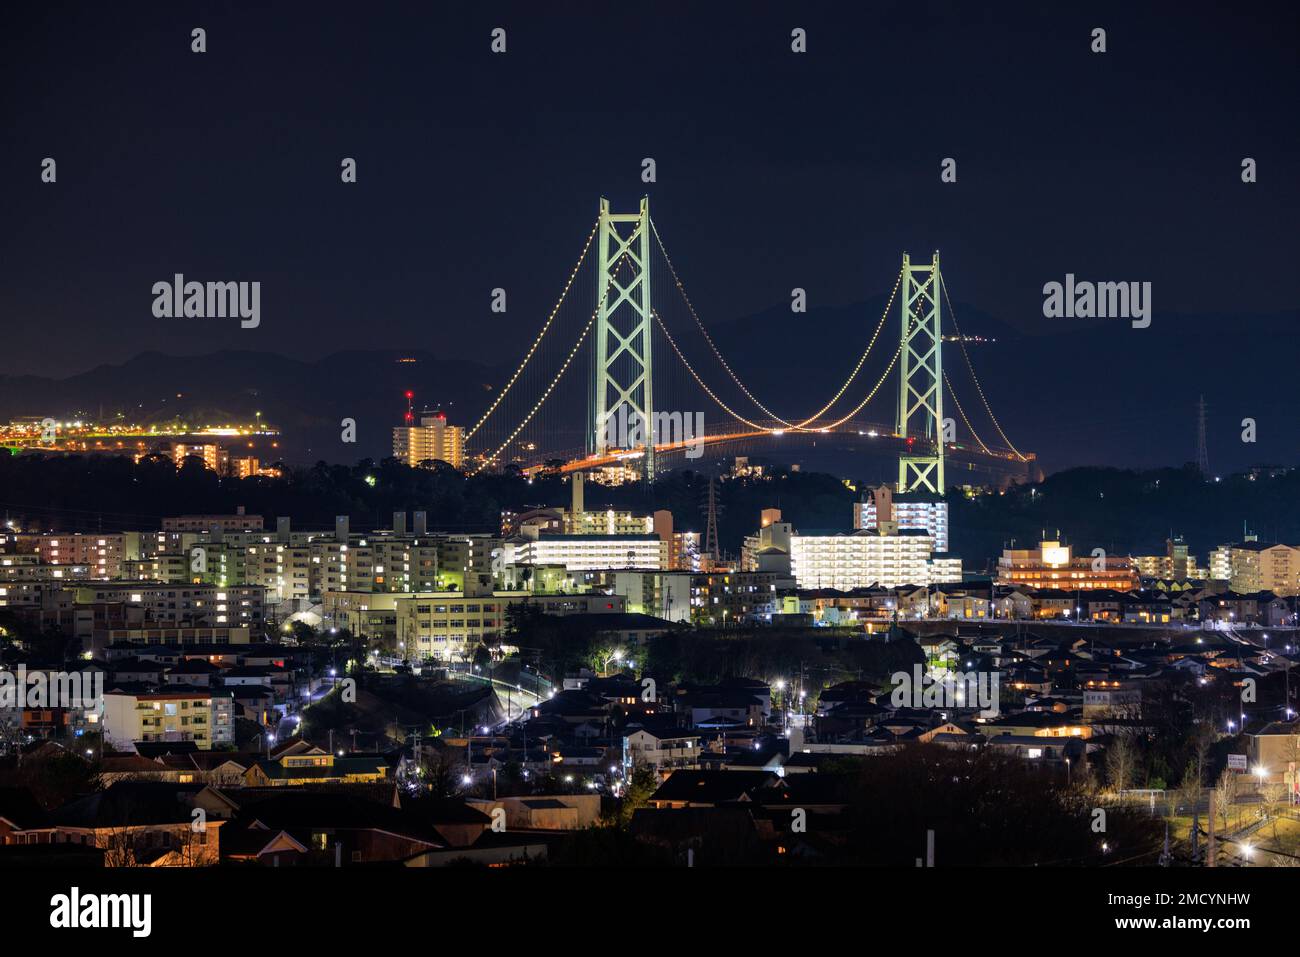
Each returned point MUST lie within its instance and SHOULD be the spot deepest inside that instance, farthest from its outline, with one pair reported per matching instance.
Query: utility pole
(929, 850)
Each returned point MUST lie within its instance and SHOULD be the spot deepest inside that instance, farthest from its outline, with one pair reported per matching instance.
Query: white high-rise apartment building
(845, 561)
(910, 512)
(589, 552)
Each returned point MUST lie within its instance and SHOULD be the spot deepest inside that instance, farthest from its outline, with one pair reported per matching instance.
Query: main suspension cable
(536, 342)
(978, 388)
(689, 368)
(793, 426)
(563, 368)
(952, 394)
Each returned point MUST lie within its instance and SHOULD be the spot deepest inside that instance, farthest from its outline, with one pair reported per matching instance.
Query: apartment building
(448, 625)
(1261, 566)
(863, 558)
(722, 598)
(589, 552)
(433, 439)
(103, 553)
(1053, 565)
(239, 522)
(202, 715)
(185, 602)
(29, 568)
(909, 511)
(665, 594)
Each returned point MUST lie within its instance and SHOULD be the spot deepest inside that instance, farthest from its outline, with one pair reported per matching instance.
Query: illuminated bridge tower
(621, 394)
(920, 392)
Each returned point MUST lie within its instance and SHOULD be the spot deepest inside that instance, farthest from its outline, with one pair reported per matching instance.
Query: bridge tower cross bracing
(622, 367)
(920, 393)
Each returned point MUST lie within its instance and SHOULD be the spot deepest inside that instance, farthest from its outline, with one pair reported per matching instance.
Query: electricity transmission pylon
(711, 527)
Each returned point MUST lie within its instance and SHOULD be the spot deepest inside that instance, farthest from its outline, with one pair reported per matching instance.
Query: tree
(1193, 791)
(439, 772)
(643, 783)
(1121, 763)
(1228, 786)
(1273, 800)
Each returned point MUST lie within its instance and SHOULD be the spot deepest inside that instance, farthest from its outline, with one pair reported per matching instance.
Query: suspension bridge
(624, 342)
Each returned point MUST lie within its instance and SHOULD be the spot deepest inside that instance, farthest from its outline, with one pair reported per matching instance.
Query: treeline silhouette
(1121, 511)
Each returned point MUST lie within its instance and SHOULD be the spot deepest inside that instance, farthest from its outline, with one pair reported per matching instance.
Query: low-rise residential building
(171, 713)
(1053, 565)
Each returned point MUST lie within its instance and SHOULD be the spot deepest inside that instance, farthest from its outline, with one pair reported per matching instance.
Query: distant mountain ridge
(1097, 393)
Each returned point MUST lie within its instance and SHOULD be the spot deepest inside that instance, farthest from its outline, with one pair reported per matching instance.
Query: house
(753, 759)
(952, 602)
(718, 836)
(193, 672)
(218, 768)
(458, 822)
(815, 793)
(1258, 608)
(551, 812)
(1273, 752)
(136, 671)
(661, 747)
(137, 823)
(19, 811)
(492, 849)
(709, 788)
(1108, 697)
(304, 826)
(1150, 608)
(1042, 724)
(310, 768)
(1037, 748)
(940, 650)
(718, 707)
(1012, 603)
(134, 767)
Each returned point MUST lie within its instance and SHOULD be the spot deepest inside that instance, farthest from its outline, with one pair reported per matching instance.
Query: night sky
(775, 170)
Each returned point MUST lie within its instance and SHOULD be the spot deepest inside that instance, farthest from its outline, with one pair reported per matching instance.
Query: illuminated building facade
(1261, 566)
(432, 439)
(1053, 565)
